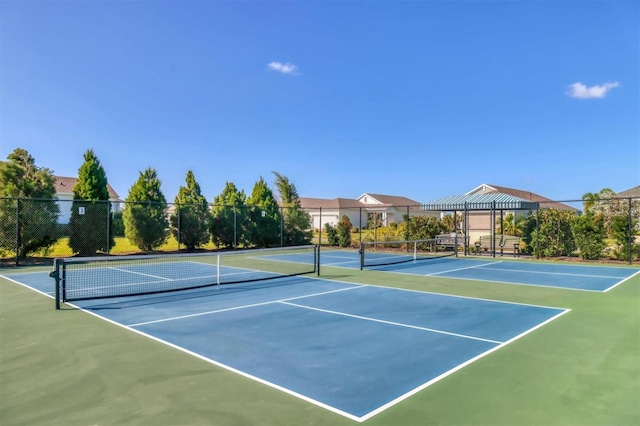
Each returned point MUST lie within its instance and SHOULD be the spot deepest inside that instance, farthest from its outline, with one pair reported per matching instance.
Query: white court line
(460, 269)
(356, 261)
(243, 306)
(433, 330)
(626, 279)
(139, 273)
(550, 273)
(212, 361)
(453, 370)
(324, 256)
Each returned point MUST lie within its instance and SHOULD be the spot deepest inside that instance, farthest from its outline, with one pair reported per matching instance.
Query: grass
(71, 368)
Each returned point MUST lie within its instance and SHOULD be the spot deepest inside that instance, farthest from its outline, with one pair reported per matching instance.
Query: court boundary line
(618, 283)
(551, 273)
(458, 367)
(398, 324)
(440, 294)
(226, 367)
(461, 269)
(498, 282)
(632, 267)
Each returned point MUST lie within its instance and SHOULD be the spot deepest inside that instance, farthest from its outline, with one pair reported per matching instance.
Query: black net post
(56, 276)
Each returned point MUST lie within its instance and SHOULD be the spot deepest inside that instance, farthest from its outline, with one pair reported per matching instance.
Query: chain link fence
(30, 229)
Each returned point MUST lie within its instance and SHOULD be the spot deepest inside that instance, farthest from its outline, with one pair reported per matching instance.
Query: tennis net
(378, 253)
(102, 277)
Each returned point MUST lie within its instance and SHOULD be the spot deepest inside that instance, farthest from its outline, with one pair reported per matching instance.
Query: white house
(386, 209)
(64, 193)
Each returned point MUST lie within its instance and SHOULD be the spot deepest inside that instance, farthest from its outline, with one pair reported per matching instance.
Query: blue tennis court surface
(353, 349)
(575, 277)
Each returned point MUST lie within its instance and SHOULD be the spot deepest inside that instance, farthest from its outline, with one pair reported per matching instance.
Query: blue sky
(422, 99)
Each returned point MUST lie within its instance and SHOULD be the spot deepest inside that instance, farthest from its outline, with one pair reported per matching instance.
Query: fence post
(17, 231)
(537, 248)
(179, 231)
(235, 226)
(319, 241)
(108, 208)
(493, 228)
(631, 233)
(319, 229)
(406, 228)
(360, 227)
(465, 228)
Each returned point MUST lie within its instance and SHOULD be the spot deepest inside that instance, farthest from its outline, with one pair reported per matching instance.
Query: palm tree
(590, 199)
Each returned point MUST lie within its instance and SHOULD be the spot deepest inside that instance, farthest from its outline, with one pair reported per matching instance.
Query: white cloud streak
(284, 68)
(580, 91)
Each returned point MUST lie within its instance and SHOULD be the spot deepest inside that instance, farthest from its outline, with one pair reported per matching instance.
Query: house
(385, 209)
(64, 193)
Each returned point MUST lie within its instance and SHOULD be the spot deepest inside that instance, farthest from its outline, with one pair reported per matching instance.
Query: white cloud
(580, 91)
(284, 68)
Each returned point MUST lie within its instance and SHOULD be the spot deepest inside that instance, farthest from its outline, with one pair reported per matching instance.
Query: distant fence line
(48, 227)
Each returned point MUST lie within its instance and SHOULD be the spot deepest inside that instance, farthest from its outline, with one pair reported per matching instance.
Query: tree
(145, 221)
(343, 231)
(89, 227)
(510, 225)
(190, 223)
(549, 232)
(332, 234)
(228, 216)
(297, 222)
(28, 211)
(424, 227)
(263, 228)
(453, 223)
(623, 235)
(589, 234)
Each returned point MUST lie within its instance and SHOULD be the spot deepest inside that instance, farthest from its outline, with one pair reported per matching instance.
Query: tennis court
(353, 349)
(566, 276)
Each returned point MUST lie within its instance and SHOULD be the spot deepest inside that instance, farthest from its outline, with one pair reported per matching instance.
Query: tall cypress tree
(228, 217)
(28, 211)
(145, 221)
(89, 226)
(297, 222)
(263, 229)
(190, 222)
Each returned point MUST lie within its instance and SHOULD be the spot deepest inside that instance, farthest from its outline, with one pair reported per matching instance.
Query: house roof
(336, 203)
(633, 192)
(384, 201)
(64, 185)
(522, 194)
(480, 201)
(391, 200)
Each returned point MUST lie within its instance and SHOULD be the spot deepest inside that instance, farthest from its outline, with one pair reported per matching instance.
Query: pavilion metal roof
(480, 201)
